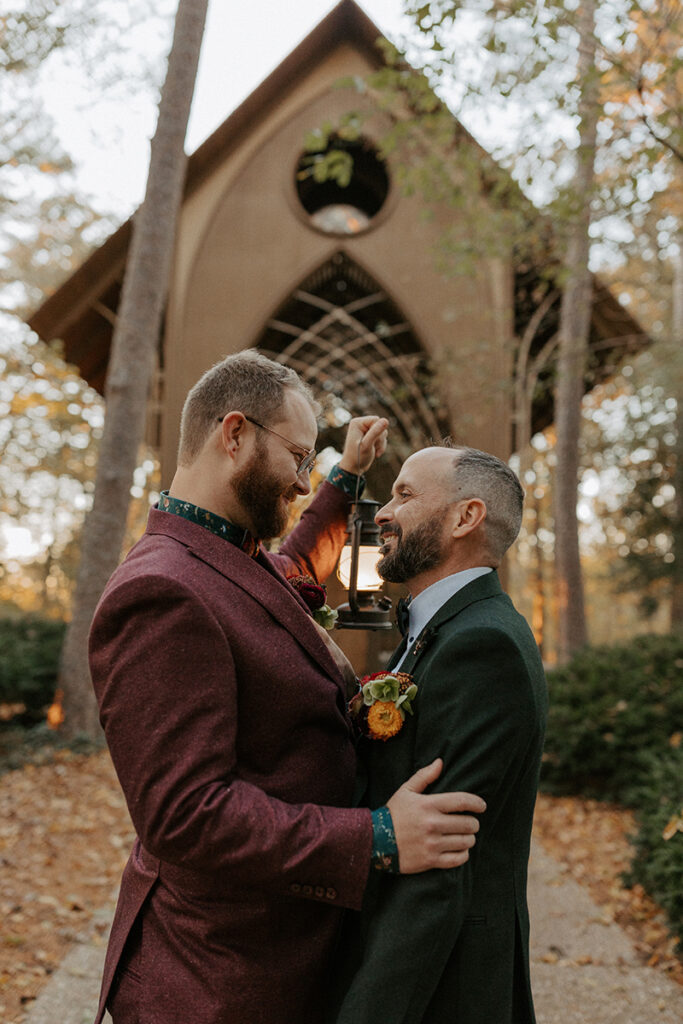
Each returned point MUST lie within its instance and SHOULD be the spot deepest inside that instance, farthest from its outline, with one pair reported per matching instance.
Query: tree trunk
(538, 581)
(575, 313)
(132, 360)
(677, 371)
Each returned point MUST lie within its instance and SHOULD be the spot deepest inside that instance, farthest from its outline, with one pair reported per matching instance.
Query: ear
(470, 513)
(232, 432)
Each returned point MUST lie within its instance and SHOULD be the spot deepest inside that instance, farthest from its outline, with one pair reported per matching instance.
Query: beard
(259, 490)
(414, 553)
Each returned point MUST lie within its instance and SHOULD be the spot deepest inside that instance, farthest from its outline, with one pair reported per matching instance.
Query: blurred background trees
(582, 104)
(48, 223)
(50, 428)
(50, 421)
(132, 360)
(509, 73)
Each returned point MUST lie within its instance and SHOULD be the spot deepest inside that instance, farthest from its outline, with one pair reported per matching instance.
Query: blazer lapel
(398, 653)
(480, 589)
(261, 581)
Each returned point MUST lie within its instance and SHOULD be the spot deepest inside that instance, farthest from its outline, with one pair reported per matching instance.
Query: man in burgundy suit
(225, 712)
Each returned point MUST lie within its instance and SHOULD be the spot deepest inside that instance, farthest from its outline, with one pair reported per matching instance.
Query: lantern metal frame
(363, 610)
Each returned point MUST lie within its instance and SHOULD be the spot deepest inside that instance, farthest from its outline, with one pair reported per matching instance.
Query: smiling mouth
(385, 539)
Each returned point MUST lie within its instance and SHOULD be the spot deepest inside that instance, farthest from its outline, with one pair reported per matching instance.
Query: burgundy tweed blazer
(226, 720)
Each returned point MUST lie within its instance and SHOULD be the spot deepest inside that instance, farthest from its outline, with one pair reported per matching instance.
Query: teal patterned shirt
(347, 482)
(384, 848)
(212, 522)
(237, 535)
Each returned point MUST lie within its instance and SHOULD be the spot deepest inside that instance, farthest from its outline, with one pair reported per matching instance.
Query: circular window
(343, 186)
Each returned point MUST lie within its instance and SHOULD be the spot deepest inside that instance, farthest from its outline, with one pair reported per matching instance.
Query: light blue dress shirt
(422, 608)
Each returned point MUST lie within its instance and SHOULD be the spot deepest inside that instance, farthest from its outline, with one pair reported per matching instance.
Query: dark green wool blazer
(452, 947)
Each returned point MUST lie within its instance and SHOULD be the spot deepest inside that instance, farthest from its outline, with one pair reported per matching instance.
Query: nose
(383, 515)
(303, 482)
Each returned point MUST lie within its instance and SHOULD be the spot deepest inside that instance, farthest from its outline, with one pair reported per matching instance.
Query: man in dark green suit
(452, 947)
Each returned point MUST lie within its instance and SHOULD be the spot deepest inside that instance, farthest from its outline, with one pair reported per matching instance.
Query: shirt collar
(425, 606)
(212, 522)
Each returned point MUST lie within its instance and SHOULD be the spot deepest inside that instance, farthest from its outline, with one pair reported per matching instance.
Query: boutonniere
(380, 706)
(315, 596)
(424, 640)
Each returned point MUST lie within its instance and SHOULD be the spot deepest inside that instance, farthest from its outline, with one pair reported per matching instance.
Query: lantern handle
(355, 551)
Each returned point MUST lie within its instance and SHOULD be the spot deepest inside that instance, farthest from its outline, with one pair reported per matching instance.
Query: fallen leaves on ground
(590, 840)
(64, 839)
(65, 835)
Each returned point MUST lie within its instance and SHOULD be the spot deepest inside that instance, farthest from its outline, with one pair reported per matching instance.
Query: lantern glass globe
(368, 577)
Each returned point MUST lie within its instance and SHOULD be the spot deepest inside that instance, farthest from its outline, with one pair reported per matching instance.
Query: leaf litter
(65, 834)
(590, 841)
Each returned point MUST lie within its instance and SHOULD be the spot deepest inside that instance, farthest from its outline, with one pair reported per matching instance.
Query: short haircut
(246, 381)
(480, 475)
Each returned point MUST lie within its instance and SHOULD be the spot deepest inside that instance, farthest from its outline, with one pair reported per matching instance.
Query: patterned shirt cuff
(345, 481)
(384, 848)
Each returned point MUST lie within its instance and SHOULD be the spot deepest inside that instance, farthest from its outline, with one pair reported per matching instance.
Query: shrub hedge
(615, 733)
(29, 660)
(613, 710)
(658, 860)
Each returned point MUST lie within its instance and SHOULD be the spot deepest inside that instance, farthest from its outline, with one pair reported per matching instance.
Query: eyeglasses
(305, 461)
(305, 456)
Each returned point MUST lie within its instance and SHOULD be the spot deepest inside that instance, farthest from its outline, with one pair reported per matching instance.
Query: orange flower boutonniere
(380, 706)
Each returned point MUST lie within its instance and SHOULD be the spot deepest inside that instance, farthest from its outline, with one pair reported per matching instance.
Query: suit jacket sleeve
(165, 678)
(477, 711)
(314, 545)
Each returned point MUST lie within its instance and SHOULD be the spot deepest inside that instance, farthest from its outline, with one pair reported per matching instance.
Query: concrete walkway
(584, 971)
(594, 976)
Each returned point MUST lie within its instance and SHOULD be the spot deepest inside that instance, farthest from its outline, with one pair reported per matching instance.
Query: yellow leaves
(678, 82)
(589, 840)
(57, 822)
(25, 402)
(554, 956)
(657, 29)
(673, 826)
(55, 713)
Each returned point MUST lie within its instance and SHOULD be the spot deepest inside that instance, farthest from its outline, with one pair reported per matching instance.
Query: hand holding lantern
(357, 563)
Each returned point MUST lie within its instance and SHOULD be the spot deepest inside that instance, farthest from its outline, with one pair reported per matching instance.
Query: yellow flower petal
(384, 720)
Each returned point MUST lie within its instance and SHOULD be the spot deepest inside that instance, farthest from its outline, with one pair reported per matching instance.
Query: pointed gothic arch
(348, 340)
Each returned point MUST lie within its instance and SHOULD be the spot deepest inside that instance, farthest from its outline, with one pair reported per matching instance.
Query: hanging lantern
(358, 574)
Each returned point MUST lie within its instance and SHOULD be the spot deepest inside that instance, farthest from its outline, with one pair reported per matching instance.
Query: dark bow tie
(403, 615)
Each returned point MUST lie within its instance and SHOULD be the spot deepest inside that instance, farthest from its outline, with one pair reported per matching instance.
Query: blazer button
(295, 887)
(307, 890)
(331, 894)
(319, 891)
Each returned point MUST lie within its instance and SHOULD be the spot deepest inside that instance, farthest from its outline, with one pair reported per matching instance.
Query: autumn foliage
(615, 733)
